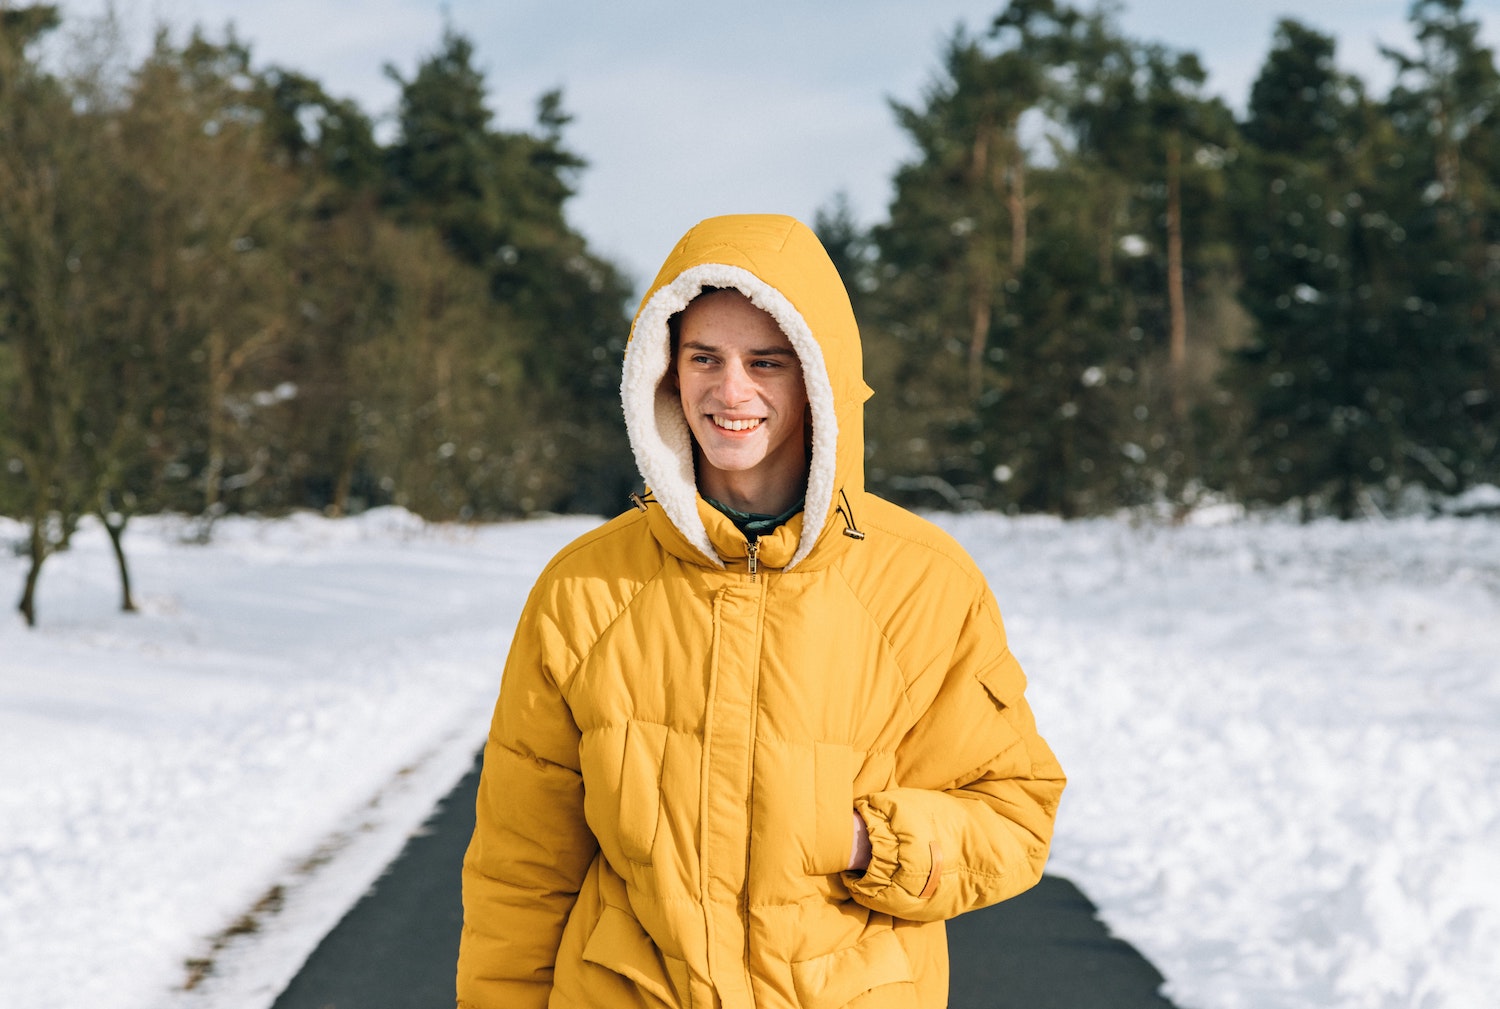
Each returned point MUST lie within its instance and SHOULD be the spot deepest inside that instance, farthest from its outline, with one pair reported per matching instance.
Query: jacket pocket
(1004, 681)
(619, 944)
(622, 767)
(833, 806)
(878, 962)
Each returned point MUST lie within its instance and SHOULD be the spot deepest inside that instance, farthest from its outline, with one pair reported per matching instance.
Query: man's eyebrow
(755, 352)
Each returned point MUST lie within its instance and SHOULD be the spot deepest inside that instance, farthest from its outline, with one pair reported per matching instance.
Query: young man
(757, 739)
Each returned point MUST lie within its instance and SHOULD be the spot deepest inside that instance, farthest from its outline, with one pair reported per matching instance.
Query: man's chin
(735, 462)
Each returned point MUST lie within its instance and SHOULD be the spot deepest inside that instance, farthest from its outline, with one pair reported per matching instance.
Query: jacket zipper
(753, 549)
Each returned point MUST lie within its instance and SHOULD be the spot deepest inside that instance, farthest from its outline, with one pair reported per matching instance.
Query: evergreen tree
(1069, 385)
(1445, 108)
(1155, 148)
(218, 292)
(497, 199)
(949, 264)
(331, 139)
(1316, 280)
(1363, 224)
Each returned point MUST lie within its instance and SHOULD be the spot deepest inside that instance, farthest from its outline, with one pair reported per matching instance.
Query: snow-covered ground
(1283, 743)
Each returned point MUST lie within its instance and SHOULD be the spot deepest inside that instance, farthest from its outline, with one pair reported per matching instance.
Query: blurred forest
(1096, 286)
(1099, 287)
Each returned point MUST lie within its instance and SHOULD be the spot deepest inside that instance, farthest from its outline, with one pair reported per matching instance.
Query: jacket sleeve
(972, 822)
(531, 847)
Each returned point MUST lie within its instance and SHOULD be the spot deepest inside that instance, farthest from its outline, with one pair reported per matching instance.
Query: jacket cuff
(902, 869)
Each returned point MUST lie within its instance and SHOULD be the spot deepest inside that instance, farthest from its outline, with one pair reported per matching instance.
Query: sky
(684, 111)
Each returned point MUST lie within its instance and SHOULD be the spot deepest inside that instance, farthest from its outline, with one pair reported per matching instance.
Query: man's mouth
(736, 425)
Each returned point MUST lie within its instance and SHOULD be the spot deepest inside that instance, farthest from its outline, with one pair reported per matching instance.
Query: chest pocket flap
(622, 766)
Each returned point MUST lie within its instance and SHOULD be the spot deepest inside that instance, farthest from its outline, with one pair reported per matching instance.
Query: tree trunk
(981, 261)
(1346, 491)
(1065, 504)
(116, 537)
(218, 387)
(339, 506)
(27, 605)
(1100, 218)
(1176, 298)
(1445, 160)
(981, 311)
(1016, 200)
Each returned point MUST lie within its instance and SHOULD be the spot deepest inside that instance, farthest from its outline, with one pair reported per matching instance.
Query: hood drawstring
(640, 501)
(847, 511)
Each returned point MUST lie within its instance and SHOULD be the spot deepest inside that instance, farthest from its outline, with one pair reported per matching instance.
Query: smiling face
(742, 392)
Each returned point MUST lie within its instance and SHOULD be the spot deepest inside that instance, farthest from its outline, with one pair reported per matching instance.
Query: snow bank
(1282, 743)
(1483, 499)
(161, 773)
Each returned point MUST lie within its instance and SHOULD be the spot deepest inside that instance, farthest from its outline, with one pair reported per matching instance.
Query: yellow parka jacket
(664, 813)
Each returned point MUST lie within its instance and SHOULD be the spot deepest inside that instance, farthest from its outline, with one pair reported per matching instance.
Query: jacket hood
(779, 264)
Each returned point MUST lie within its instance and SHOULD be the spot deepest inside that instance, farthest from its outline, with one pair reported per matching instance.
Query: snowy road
(1282, 742)
(395, 949)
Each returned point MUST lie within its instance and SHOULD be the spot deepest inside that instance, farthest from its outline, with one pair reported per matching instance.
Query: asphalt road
(395, 949)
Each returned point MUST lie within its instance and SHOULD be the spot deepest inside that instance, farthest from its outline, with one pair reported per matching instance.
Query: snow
(1281, 741)
(281, 714)
(1282, 747)
(1477, 499)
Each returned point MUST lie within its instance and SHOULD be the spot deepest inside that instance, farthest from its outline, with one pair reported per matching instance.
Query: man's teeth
(736, 425)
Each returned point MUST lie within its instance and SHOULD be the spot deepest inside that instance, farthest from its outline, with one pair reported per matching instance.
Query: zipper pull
(754, 548)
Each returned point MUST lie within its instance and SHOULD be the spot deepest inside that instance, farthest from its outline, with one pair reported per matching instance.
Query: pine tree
(1365, 226)
(1316, 281)
(1445, 108)
(497, 199)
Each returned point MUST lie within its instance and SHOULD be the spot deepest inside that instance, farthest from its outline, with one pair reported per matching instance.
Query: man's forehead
(727, 302)
(725, 319)
(783, 349)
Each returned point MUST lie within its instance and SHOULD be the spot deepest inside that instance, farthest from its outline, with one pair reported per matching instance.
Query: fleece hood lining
(659, 434)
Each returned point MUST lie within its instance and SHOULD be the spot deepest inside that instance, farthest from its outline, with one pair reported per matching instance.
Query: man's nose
(736, 386)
